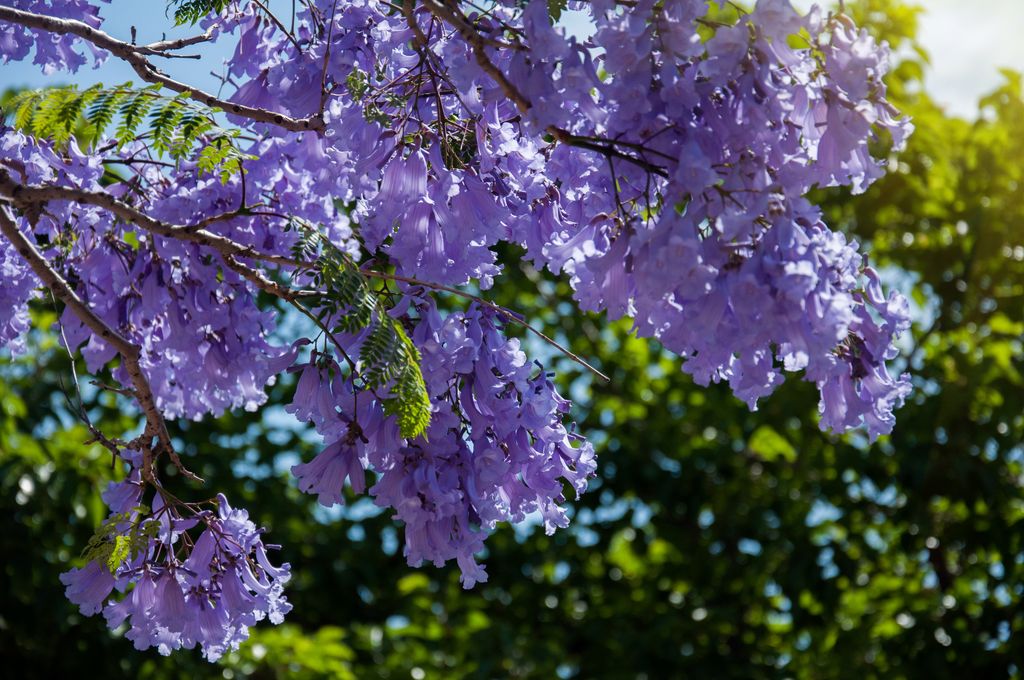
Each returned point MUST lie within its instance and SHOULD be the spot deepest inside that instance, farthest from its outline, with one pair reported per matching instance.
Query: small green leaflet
(121, 537)
(388, 358)
(556, 7)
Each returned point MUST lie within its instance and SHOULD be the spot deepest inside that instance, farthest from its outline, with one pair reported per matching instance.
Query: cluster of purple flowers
(32, 163)
(179, 593)
(496, 450)
(205, 342)
(662, 171)
(680, 201)
(717, 254)
(19, 284)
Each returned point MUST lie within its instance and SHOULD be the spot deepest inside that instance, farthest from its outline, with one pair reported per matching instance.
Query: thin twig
(21, 194)
(327, 58)
(157, 49)
(277, 22)
(79, 409)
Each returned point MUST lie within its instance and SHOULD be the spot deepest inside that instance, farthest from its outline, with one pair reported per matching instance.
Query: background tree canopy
(715, 543)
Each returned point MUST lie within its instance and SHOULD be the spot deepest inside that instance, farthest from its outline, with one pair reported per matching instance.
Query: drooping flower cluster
(28, 162)
(735, 271)
(204, 340)
(179, 593)
(496, 449)
(660, 163)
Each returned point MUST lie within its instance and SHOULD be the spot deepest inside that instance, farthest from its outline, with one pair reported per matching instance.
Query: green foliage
(122, 536)
(770, 445)
(193, 11)
(53, 113)
(134, 105)
(358, 84)
(172, 126)
(288, 651)
(221, 153)
(388, 359)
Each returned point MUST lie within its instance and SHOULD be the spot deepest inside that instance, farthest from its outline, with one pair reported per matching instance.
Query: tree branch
(21, 194)
(258, 279)
(230, 250)
(134, 55)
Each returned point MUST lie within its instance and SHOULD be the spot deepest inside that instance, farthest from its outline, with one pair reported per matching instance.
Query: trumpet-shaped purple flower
(88, 587)
(53, 51)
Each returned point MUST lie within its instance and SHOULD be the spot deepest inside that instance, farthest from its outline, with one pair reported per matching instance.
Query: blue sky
(969, 42)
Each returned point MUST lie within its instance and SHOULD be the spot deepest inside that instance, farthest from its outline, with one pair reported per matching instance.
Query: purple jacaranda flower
(325, 475)
(88, 587)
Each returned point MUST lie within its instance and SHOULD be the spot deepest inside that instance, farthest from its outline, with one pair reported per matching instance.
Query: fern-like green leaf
(25, 106)
(193, 11)
(381, 354)
(221, 155)
(106, 104)
(388, 360)
(193, 125)
(164, 124)
(173, 126)
(132, 112)
(410, 403)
